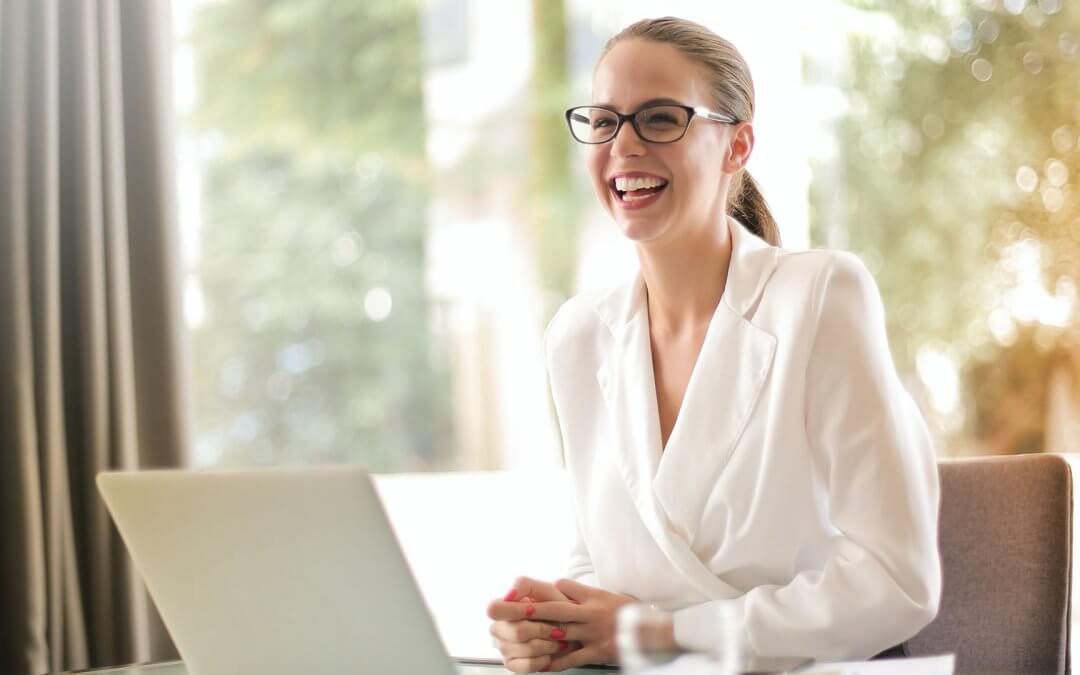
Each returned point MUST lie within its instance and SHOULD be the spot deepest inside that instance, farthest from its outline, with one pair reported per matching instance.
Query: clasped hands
(546, 627)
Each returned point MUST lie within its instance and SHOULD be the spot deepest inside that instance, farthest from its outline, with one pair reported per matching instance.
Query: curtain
(92, 357)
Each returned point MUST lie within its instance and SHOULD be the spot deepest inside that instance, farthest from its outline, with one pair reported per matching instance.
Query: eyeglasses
(661, 123)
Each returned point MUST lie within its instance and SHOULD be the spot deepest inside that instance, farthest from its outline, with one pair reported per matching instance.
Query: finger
(580, 657)
(573, 590)
(580, 632)
(500, 610)
(532, 648)
(528, 665)
(558, 612)
(523, 631)
(539, 591)
(555, 611)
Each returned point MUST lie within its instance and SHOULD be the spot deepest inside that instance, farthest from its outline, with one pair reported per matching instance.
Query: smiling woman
(735, 431)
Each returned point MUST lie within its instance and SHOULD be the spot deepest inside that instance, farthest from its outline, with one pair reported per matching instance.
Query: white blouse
(799, 478)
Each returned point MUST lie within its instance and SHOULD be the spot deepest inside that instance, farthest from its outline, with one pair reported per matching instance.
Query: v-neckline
(660, 442)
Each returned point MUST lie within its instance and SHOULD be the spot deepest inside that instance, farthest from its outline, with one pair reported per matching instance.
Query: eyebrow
(652, 101)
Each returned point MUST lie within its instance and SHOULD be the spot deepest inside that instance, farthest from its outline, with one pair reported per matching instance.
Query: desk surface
(177, 668)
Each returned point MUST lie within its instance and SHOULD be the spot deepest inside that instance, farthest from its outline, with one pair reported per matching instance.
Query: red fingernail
(563, 645)
(557, 633)
(511, 595)
(529, 610)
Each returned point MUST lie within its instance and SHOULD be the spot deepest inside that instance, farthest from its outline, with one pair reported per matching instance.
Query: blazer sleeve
(580, 566)
(881, 583)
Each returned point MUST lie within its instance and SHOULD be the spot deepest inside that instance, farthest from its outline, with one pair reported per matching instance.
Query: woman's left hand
(588, 618)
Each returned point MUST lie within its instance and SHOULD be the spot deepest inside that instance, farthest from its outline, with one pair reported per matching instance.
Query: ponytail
(750, 208)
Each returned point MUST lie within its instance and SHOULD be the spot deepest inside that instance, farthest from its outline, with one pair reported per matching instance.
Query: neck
(685, 279)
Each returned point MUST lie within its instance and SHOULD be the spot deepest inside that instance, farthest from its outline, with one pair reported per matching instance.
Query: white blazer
(799, 479)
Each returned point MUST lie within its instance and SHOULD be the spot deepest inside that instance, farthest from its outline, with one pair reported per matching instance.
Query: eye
(602, 122)
(659, 119)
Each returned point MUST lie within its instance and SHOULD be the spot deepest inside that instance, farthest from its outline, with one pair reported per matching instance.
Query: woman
(733, 424)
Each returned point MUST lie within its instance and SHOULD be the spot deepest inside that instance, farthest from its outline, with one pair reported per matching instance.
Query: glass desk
(178, 668)
(756, 667)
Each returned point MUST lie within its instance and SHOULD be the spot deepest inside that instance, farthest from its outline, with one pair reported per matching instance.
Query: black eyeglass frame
(692, 112)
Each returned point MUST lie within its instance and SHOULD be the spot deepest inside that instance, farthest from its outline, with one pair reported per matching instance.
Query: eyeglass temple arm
(714, 116)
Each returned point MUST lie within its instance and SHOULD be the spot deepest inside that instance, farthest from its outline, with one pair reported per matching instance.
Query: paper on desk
(927, 665)
(700, 664)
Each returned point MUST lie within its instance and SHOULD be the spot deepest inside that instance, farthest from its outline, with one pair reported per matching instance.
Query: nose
(627, 143)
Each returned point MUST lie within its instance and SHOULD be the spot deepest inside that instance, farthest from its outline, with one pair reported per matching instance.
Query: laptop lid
(275, 571)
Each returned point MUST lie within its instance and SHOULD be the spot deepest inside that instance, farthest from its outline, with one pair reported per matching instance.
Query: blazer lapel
(669, 491)
(629, 392)
(724, 387)
(626, 380)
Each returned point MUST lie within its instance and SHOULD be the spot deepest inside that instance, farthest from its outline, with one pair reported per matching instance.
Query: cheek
(596, 164)
(701, 172)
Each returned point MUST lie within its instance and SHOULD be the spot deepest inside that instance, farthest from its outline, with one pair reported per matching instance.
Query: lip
(641, 203)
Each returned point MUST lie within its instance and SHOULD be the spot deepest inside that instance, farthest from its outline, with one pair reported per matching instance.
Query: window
(382, 209)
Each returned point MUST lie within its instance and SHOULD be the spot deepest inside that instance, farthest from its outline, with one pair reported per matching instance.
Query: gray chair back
(1006, 553)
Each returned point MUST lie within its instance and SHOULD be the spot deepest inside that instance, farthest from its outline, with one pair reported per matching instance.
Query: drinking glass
(643, 640)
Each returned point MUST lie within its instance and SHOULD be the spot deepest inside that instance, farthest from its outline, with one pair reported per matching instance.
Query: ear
(740, 146)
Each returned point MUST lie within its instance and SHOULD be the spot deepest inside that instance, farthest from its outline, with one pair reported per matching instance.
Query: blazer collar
(752, 263)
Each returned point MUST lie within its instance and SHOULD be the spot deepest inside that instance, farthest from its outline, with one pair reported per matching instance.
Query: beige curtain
(92, 364)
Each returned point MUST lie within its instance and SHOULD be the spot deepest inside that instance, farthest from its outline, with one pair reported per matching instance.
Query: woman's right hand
(526, 646)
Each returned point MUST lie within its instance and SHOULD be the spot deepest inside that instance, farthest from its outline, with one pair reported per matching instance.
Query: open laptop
(277, 572)
(284, 571)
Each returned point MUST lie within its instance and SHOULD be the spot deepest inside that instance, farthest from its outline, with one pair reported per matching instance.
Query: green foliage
(328, 77)
(315, 200)
(939, 125)
(552, 203)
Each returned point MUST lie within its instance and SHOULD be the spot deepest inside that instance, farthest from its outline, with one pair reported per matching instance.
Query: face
(690, 175)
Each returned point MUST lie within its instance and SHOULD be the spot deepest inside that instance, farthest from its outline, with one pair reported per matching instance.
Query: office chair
(1005, 535)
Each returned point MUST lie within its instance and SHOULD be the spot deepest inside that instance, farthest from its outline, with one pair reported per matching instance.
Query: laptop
(277, 572)
(283, 571)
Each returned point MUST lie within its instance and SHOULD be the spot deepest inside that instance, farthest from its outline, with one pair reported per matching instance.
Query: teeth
(624, 184)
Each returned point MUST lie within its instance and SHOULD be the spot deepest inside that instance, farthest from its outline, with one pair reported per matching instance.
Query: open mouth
(637, 189)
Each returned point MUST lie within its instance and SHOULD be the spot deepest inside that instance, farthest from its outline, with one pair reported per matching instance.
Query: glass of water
(643, 638)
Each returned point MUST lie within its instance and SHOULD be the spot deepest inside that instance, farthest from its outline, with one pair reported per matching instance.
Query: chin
(640, 230)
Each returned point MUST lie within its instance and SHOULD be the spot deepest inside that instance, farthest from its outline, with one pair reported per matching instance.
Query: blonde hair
(733, 90)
